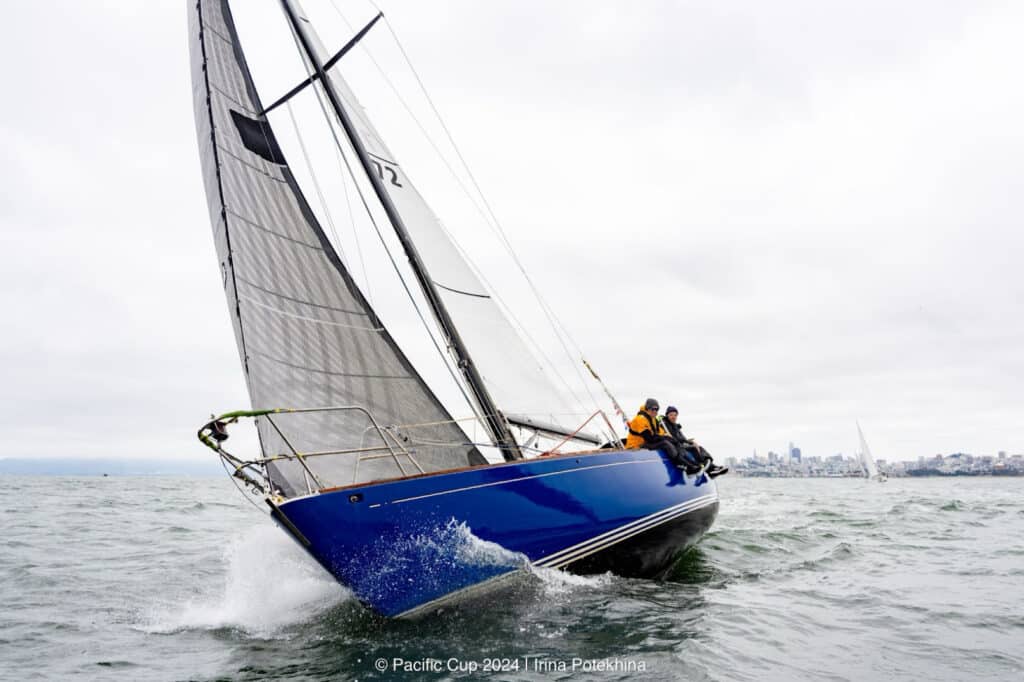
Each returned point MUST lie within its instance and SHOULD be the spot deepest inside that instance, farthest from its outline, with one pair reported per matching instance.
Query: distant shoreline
(69, 466)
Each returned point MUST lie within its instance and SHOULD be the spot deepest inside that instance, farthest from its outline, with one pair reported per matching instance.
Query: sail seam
(231, 98)
(459, 291)
(298, 300)
(207, 27)
(254, 167)
(305, 318)
(328, 372)
(269, 231)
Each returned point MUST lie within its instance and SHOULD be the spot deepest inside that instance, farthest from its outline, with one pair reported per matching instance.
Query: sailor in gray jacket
(690, 449)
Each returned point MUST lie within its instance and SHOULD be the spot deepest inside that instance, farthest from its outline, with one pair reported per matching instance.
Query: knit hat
(671, 409)
(651, 404)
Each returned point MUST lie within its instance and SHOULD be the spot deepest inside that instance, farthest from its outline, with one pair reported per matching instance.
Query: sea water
(182, 579)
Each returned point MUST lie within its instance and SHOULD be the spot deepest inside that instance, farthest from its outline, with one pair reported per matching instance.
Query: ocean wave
(267, 585)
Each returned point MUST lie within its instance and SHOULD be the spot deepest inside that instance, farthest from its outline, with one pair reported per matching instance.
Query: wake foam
(268, 584)
(555, 581)
(477, 552)
(432, 556)
(435, 553)
(455, 543)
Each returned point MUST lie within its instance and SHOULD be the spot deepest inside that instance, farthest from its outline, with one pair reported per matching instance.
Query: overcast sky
(781, 217)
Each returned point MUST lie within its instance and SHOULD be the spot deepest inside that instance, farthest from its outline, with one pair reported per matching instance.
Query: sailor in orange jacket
(645, 431)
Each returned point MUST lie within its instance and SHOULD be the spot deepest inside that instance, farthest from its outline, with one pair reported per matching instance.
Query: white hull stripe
(575, 470)
(580, 550)
(597, 548)
(629, 526)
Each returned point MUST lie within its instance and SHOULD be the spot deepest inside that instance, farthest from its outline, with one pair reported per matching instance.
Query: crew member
(645, 431)
(691, 450)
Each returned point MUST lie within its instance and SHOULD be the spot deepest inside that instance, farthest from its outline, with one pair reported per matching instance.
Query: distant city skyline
(839, 465)
(912, 459)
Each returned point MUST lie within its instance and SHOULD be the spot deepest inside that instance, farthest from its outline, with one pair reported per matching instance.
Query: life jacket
(637, 426)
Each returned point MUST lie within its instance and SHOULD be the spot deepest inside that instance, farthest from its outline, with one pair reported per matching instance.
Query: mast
(494, 421)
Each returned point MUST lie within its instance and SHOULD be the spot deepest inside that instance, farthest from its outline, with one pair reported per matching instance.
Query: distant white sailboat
(867, 462)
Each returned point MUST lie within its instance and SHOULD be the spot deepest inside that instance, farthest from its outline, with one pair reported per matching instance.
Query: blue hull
(403, 546)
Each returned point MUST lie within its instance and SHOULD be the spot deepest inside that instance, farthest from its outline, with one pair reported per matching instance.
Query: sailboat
(867, 461)
(359, 460)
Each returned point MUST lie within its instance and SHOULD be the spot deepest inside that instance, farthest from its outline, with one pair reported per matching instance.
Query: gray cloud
(782, 219)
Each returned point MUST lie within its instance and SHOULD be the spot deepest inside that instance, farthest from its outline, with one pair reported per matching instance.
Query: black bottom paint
(652, 552)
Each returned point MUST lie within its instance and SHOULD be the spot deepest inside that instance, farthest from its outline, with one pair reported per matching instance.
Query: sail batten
(306, 335)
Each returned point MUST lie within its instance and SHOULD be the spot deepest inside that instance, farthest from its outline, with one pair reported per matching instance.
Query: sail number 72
(391, 172)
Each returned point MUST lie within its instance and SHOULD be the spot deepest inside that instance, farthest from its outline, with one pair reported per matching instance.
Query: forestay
(513, 376)
(306, 335)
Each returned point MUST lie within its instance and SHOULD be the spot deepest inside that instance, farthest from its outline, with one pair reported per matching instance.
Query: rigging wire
(489, 216)
(426, 135)
(338, 145)
(240, 490)
(553, 318)
(316, 184)
(352, 222)
(532, 341)
(509, 312)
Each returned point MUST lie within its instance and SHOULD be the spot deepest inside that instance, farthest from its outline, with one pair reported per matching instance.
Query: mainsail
(511, 373)
(306, 335)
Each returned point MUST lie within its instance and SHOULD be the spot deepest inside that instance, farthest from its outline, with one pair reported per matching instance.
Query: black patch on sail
(258, 137)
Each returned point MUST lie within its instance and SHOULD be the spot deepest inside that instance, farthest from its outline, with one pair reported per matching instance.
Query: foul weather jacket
(644, 431)
(688, 449)
(675, 432)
